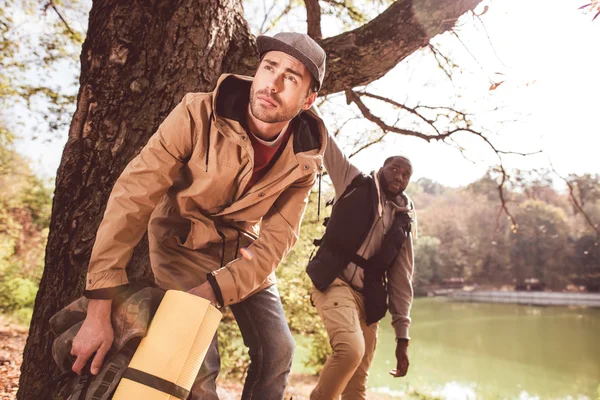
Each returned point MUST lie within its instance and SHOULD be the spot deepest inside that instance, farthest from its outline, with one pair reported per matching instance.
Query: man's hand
(401, 358)
(205, 291)
(95, 336)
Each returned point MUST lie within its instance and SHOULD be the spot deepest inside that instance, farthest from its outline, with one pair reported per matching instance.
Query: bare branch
(267, 13)
(50, 4)
(514, 226)
(516, 153)
(363, 55)
(401, 106)
(577, 203)
(352, 11)
(313, 19)
(286, 10)
(496, 150)
(500, 210)
(440, 108)
(337, 131)
(325, 98)
(353, 97)
(489, 39)
(472, 55)
(438, 58)
(459, 148)
(379, 139)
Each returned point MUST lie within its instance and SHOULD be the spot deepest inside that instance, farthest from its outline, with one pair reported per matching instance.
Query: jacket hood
(230, 102)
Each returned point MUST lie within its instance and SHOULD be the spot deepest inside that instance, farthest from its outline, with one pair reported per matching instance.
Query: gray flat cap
(300, 46)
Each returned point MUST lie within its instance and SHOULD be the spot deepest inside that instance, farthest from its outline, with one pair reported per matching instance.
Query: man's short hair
(392, 158)
(314, 85)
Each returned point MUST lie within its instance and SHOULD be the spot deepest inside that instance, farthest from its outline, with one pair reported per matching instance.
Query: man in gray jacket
(365, 260)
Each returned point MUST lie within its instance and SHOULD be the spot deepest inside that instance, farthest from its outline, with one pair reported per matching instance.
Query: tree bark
(365, 54)
(137, 62)
(313, 19)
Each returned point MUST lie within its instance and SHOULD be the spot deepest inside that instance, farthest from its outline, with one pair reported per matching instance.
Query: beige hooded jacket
(187, 187)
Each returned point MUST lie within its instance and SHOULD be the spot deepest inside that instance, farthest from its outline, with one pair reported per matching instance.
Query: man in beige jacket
(364, 264)
(226, 170)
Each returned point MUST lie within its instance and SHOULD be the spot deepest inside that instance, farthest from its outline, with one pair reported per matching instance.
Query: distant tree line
(466, 237)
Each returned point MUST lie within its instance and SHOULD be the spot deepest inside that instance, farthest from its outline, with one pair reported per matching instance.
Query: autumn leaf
(495, 85)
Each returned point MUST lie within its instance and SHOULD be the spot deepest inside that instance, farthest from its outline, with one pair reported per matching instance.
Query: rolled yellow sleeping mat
(169, 357)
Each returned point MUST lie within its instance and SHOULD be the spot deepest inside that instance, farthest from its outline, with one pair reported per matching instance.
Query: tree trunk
(139, 59)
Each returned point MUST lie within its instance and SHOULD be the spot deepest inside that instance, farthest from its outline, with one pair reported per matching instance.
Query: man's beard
(262, 114)
(388, 190)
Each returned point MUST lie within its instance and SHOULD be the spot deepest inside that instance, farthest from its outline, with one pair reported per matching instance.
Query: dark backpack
(350, 222)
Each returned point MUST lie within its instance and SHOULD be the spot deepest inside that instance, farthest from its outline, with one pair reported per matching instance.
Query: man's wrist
(99, 308)
(403, 340)
(104, 293)
(212, 281)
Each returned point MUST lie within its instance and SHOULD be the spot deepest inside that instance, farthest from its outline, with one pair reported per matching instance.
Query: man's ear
(309, 101)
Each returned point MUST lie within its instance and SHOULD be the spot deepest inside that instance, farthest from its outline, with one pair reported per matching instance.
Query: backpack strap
(155, 382)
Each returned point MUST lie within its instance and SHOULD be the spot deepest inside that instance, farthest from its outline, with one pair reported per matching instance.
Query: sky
(544, 49)
(546, 54)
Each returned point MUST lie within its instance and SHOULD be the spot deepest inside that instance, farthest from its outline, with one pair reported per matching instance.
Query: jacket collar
(230, 102)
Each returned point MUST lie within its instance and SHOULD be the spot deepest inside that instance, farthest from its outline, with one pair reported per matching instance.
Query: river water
(494, 351)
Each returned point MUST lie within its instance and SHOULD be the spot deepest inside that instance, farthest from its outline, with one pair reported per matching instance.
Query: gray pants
(266, 333)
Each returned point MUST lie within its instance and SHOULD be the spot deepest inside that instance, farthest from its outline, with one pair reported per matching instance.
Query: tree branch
(379, 139)
(365, 54)
(577, 204)
(473, 56)
(275, 20)
(516, 153)
(478, 17)
(313, 19)
(337, 131)
(267, 13)
(347, 5)
(401, 106)
(64, 21)
(438, 58)
(353, 97)
(503, 202)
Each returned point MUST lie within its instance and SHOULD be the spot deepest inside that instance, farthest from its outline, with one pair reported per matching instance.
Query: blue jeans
(271, 347)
